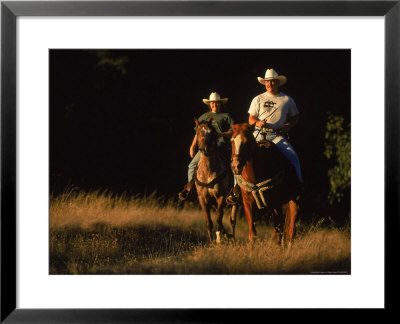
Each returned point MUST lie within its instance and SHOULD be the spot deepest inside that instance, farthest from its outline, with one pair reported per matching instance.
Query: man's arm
(292, 121)
(254, 120)
(227, 134)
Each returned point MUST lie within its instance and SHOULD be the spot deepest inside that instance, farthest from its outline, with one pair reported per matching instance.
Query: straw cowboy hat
(271, 74)
(214, 96)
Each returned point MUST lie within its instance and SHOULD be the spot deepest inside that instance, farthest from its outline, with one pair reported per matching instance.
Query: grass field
(102, 233)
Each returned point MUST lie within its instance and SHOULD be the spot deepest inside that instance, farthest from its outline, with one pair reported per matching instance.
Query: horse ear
(210, 119)
(236, 128)
(196, 121)
(252, 127)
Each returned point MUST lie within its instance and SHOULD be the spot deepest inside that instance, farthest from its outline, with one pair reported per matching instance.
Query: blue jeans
(286, 148)
(193, 165)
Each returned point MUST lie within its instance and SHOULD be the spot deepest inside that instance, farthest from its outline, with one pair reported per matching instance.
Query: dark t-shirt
(222, 122)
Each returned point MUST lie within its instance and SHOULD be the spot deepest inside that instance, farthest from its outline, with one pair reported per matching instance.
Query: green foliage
(107, 58)
(338, 150)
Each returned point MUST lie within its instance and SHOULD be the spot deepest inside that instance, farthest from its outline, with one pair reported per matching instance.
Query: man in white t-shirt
(274, 114)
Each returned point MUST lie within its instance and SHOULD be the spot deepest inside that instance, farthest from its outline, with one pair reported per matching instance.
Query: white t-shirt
(274, 109)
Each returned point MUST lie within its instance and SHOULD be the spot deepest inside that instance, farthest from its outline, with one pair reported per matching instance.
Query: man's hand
(285, 128)
(260, 123)
(289, 125)
(254, 120)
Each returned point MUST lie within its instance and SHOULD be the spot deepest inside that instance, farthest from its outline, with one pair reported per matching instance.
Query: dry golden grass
(101, 233)
(75, 208)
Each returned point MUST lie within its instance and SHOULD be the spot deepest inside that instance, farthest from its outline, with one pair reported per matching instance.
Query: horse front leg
(277, 232)
(220, 214)
(290, 219)
(207, 215)
(233, 219)
(248, 204)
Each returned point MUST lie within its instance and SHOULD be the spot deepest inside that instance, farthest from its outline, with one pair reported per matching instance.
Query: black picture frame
(10, 10)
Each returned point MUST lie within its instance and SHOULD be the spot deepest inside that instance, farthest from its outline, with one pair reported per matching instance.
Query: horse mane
(207, 121)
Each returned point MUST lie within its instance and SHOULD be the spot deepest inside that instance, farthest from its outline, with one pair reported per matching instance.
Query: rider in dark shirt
(222, 122)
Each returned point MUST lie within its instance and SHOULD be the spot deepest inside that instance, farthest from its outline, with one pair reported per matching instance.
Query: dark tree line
(123, 120)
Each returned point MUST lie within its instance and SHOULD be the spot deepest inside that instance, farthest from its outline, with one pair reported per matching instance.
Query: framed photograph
(99, 210)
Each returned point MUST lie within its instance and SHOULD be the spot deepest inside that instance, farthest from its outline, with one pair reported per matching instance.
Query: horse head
(206, 136)
(243, 144)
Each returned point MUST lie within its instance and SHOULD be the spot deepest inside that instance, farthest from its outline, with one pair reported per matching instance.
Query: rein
(203, 150)
(211, 183)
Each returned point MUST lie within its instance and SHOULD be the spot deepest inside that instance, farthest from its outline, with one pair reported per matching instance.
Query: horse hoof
(222, 235)
(218, 234)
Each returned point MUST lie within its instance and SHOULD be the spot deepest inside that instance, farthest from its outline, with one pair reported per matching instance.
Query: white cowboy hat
(214, 96)
(271, 74)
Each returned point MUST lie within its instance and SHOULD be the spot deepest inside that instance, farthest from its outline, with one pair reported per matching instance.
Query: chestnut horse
(213, 179)
(267, 181)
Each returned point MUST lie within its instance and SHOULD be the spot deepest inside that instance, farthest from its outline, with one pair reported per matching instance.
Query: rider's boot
(185, 192)
(233, 196)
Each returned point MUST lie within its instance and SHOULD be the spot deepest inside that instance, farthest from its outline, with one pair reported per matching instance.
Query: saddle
(265, 143)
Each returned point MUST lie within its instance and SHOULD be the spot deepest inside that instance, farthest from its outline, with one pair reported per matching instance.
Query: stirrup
(184, 194)
(232, 198)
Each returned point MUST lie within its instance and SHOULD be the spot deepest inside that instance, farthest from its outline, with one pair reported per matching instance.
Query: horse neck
(262, 165)
(248, 172)
(209, 163)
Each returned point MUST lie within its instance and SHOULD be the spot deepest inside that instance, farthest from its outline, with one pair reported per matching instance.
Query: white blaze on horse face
(238, 142)
(203, 132)
(206, 130)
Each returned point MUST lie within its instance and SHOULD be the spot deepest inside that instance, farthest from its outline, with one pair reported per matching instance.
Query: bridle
(207, 153)
(212, 183)
(211, 132)
(246, 150)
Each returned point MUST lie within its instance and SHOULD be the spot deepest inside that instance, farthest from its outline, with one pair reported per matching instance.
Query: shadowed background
(122, 120)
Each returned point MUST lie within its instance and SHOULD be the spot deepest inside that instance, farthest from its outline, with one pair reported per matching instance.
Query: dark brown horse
(267, 181)
(213, 179)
